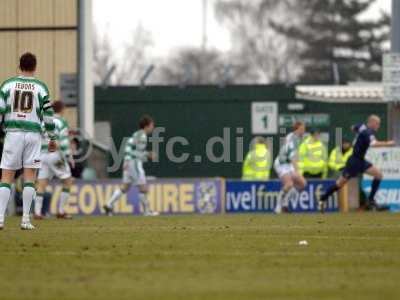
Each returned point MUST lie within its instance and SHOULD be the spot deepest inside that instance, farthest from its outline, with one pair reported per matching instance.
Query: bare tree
(135, 59)
(127, 69)
(196, 66)
(103, 56)
(272, 56)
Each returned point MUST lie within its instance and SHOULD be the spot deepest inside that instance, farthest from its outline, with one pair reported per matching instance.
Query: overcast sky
(173, 23)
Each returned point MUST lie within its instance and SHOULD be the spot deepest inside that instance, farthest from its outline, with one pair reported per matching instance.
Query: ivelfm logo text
(262, 197)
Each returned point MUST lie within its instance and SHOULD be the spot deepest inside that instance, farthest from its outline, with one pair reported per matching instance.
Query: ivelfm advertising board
(250, 197)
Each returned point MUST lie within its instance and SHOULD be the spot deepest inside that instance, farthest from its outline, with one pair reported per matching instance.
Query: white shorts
(134, 172)
(283, 169)
(21, 150)
(54, 164)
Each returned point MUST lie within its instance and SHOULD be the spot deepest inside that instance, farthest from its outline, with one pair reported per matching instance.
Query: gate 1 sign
(264, 118)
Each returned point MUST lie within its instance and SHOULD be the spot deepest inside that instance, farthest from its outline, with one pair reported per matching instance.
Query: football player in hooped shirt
(357, 164)
(24, 103)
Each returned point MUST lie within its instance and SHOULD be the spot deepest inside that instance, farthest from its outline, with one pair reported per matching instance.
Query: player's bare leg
(299, 182)
(41, 186)
(28, 194)
(7, 179)
(123, 189)
(378, 176)
(144, 202)
(340, 183)
(67, 183)
(283, 198)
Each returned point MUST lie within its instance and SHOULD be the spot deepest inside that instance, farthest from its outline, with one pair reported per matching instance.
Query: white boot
(27, 226)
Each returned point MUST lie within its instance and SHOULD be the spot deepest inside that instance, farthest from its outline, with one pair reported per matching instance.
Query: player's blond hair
(374, 118)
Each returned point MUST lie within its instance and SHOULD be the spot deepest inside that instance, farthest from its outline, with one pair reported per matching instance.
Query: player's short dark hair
(346, 139)
(297, 125)
(27, 62)
(145, 121)
(58, 106)
(260, 140)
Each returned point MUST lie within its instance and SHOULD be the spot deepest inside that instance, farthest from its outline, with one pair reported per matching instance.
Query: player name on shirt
(25, 86)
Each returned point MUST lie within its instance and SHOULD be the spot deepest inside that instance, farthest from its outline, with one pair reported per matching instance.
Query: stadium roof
(362, 93)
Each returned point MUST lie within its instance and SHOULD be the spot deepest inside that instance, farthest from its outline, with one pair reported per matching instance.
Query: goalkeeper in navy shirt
(357, 164)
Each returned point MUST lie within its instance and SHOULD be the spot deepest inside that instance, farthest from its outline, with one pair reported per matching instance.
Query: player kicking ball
(55, 164)
(133, 173)
(285, 166)
(357, 164)
(24, 103)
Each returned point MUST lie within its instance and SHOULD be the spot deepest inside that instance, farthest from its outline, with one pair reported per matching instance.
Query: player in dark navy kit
(357, 164)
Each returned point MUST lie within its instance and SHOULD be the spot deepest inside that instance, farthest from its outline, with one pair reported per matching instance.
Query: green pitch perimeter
(354, 256)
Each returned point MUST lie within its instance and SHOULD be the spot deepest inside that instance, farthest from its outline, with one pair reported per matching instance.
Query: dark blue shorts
(355, 166)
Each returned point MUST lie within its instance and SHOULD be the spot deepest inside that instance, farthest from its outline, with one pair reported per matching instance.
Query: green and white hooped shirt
(61, 132)
(24, 102)
(135, 148)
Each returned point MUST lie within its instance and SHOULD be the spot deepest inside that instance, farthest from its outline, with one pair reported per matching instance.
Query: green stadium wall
(201, 112)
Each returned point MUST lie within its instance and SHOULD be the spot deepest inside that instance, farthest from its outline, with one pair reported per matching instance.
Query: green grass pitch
(353, 256)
